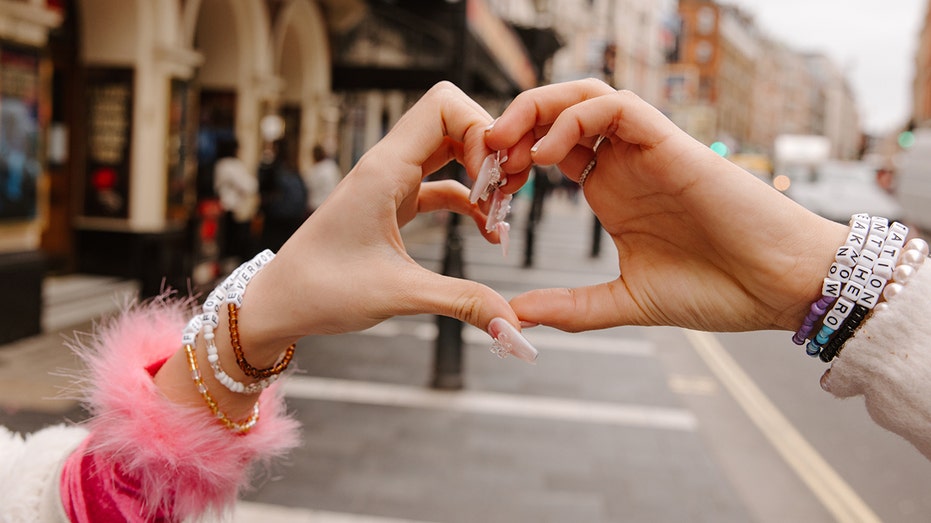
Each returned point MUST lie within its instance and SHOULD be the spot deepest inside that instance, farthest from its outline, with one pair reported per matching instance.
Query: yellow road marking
(833, 492)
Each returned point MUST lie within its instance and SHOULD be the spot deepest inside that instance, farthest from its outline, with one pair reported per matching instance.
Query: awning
(500, 63)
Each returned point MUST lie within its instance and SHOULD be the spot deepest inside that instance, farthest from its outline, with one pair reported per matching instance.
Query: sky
(872, 41)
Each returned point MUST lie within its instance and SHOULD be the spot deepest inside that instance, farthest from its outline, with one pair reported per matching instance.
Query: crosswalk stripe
(250, 512)
(541, 338)
(478, 402)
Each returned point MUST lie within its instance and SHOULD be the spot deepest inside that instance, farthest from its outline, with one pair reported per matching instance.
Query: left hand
(347, 269)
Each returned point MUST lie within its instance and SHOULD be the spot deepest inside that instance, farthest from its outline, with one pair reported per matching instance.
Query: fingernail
(490, 126)
(509, 340)
(536, 145)
(482, 180)
(528, 324)
(503, 158)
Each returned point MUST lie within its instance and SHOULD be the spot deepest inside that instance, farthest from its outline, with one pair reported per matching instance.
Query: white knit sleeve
(888, 361)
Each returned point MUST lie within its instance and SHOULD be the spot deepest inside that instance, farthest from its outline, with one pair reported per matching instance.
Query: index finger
(442, 116)
(540, 107)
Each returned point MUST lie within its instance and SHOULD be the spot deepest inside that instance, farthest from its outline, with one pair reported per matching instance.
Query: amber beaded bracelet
(236, 426)
(244, 365)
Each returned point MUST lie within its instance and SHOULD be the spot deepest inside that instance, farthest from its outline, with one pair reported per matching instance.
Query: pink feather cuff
(147, 457)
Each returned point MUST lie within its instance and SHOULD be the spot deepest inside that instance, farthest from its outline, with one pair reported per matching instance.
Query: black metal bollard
(447, 363)
(596, 237)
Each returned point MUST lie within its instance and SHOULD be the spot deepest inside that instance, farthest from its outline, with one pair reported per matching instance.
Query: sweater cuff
(887, 361)
(147, 456)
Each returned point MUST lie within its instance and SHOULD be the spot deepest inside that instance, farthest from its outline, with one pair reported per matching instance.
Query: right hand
(701, 243)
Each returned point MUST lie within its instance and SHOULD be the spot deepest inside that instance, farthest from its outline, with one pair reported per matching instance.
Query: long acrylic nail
(483, 178)
(510, 341)
(528, 324)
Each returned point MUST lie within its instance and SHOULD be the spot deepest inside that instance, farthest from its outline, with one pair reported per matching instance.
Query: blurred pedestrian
(321, 178)
(238, 190)
(284, 197)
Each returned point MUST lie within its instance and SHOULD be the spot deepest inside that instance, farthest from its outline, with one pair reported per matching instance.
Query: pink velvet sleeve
(146, 458)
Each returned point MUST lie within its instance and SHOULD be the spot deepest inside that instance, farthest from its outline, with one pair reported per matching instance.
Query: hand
(701, 243)
(347, 269)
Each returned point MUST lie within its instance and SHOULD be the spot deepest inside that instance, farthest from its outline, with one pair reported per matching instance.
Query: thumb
(471, 302)
(575, 310)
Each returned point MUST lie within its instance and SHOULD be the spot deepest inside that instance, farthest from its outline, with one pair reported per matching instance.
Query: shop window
(19, 132)
(109, 128)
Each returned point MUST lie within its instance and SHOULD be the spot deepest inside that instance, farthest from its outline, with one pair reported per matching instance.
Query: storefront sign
(109, 120)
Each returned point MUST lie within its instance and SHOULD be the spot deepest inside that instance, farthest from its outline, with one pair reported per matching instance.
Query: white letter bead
(855, 240)
(890, 252)
(876, 283)
(847, 256)
(841, 273)
(860, 226)
(895, 238)
(212, 305)
(874, 242)
(867, 259)
(234, 298)
(188, 338)
(830, 288)
(209, 318)
(879, 226)
(851, 291)
(899, 227)
(860, 275)
(868, 298)
(883, 268)
(838, 313)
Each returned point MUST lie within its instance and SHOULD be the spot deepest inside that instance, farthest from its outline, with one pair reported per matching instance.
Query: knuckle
(467, 308)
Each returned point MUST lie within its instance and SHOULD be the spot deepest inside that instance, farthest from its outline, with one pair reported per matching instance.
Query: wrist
(816, 256)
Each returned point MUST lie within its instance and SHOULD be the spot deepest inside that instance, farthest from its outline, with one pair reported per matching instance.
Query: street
(626, 424)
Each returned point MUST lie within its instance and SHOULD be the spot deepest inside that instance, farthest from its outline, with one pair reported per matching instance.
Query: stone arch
(233, 38)
(301, 60)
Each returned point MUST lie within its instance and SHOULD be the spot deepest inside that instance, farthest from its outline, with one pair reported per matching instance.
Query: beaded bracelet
(230, 291)
(855, 283)
(839, 273)
(913, 256)
(213, 358)
(244, 365)
(883, 262)
(240, 427)
(856, 295)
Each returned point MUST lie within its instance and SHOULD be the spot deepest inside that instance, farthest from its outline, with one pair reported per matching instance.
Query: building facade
(113, 111)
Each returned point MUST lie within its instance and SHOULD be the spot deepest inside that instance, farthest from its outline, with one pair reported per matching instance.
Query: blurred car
(913, 179)
(838, 189)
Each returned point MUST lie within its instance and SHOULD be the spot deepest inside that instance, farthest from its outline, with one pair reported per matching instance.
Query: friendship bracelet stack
(231, 293)
(873, 265)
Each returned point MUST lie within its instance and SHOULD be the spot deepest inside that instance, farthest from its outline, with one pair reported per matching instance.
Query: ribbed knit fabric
(888, 362)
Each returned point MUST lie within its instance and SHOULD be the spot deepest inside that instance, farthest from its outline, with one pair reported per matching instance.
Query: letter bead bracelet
(871, 266)
(231, 293)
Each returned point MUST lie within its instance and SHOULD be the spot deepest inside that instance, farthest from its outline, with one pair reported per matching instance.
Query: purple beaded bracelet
(818, 309)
